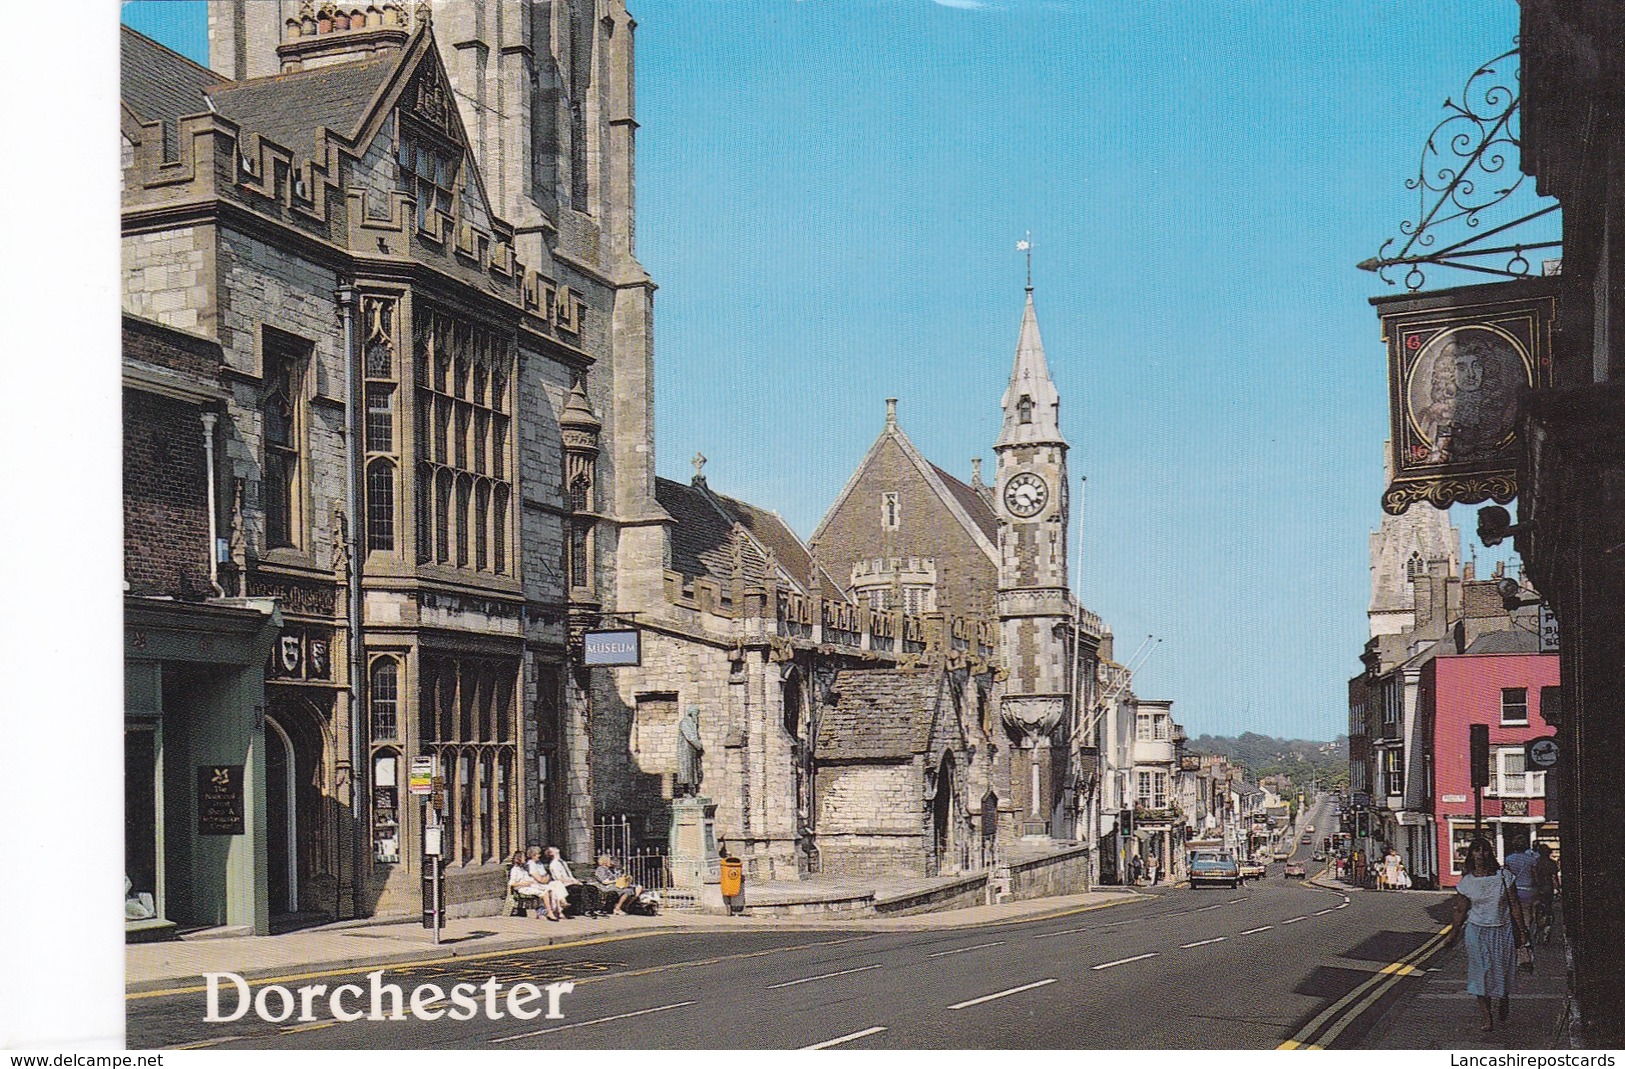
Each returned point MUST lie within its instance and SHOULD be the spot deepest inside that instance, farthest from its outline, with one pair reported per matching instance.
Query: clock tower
(1035, 607)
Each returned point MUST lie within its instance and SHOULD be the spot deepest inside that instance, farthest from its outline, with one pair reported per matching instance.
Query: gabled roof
(879, 714)
(158, 84)
(974, 501)
(702, 537)
(962, 502)
(290, 108)
(347, 100)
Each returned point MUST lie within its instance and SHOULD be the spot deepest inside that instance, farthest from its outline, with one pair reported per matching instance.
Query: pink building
(1503, 681)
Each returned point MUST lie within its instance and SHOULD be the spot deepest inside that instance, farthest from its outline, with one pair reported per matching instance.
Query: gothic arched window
(383, 693)
(381, 506)
(1024, 409)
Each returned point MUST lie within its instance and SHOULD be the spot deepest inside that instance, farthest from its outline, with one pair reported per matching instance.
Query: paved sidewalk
(154, 966)
(1443, 1016)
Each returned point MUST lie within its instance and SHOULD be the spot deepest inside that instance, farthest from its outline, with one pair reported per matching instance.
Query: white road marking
(849, 1037)
(1341, 905)
(1201, 943)
(1204, 909)
(822, 976)
(1260, 928)
(1072, 931)
(965, 950)
(1122, 961)
(1000, 994)
(1323, 912)
(1295, 920)
(595, 1020)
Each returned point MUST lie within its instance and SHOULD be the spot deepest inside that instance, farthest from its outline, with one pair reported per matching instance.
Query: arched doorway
(281, 820)
(942, 817)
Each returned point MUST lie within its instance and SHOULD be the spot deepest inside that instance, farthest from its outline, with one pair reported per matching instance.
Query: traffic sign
(1542, 752)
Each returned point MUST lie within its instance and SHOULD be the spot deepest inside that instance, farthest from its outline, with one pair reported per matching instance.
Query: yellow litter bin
(733, 877)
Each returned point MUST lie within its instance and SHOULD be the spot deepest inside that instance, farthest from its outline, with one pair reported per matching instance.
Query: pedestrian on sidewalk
(1488, 917)
(1389, 879)
(1546, 881)
(1523, 864)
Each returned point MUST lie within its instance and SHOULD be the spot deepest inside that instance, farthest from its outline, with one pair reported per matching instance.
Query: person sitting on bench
(525, 886)
(583, 898)
(615, 884)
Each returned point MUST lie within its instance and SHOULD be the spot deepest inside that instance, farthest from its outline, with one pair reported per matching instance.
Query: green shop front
(196, 819)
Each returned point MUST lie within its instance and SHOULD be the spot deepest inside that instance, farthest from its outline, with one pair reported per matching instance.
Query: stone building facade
(397, 244)
(411, 357)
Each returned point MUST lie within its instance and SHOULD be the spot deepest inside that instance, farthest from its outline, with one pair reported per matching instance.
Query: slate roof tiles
(879, 714)
(162, 85)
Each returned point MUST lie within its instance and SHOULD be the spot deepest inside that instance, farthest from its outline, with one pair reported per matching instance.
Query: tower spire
(1032, 405)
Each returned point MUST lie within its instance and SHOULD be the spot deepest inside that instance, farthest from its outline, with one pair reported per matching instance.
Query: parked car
(1254, 869)
(1295, 871)
(1215, 866)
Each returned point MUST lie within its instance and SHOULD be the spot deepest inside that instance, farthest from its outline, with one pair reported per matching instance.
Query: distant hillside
(1301, 760)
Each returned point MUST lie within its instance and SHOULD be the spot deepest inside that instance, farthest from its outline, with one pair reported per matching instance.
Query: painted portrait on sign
(1462, 392)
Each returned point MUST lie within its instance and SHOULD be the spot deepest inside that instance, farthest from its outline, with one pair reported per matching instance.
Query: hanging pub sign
(1459, 361)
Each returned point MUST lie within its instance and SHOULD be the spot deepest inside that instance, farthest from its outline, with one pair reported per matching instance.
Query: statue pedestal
(693, 851)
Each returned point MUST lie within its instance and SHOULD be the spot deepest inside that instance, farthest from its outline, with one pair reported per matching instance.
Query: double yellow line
(1330, 1022)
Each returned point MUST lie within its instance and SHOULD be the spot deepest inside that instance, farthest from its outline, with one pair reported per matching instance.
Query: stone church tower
(1034, 605)
(1408, 552)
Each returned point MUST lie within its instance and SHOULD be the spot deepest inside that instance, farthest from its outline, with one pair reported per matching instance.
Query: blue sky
(830, 194)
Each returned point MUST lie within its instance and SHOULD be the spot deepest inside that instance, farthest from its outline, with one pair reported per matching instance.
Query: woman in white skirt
(1487, 915)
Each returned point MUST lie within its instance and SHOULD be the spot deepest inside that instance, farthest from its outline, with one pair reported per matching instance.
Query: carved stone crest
(432, 102)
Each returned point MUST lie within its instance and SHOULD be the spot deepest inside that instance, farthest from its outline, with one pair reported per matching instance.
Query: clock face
(1026, 494)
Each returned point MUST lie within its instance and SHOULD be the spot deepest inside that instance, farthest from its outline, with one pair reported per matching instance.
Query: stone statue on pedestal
(689, 751)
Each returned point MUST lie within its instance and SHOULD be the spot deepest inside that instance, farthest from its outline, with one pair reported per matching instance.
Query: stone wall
(264, 286)
(1062, 873)
(870, 798)
(678, 672)
(872, 856)
(871, 820)
(926, 529)
(167, 278)
(970, 890)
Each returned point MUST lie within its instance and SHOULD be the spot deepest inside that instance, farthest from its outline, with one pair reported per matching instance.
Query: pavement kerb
(519, 944)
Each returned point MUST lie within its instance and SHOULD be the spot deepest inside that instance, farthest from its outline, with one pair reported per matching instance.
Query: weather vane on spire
(1026, 245)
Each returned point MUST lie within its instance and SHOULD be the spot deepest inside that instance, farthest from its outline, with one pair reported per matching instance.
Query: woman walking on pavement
(1487, 914)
